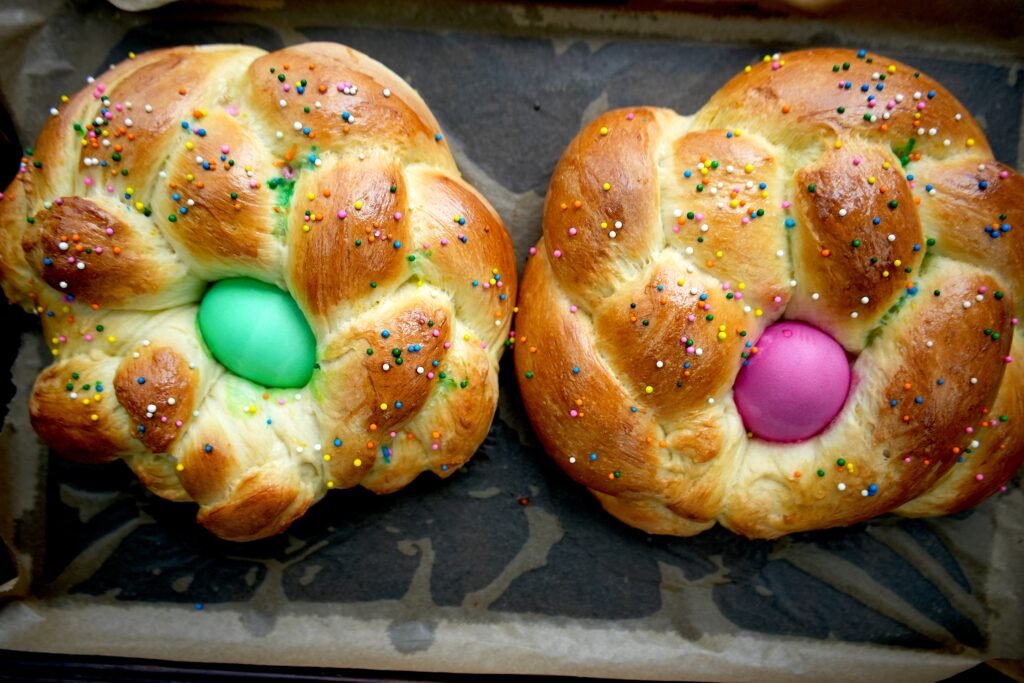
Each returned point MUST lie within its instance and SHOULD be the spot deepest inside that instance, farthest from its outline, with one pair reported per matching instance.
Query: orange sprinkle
(786, 109)
(826, 253)
(117, 250)
(182, 91)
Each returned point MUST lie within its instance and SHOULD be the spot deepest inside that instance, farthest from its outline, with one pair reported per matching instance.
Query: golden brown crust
(313, 168)
(158, 378)
(871, 227)
(351, 235)
(857, 243)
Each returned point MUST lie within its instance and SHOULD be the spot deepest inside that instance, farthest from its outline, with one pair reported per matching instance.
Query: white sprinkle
(145, 342)
(660, 364)
(572, 459)
(387, 92)
(899, 98)
(815, 296)
(958, 117)
(148, 108)
(73, 395)
(385, 367)
(317, 447)
(974, 380)
(854, 314)
(864, 299)
(711, 401)
(129, 123)
(841, 486)
(967, 304)
(171, 401)
(699, 352)
(282, 103)
(80, 265)
(298, 397)
(864, 492)
(151, 408)
(920, 131)
(135, 354)
(929, 344)
(891, 237)
(419, 370)
(278, 135)
(980, 297)
(618, 225)
(917, 95)
(780, 253)
(704, 227)
(63, 246)
(689, 252)
(792, 283)
(612, 234)
(746, 309)
(299, 449)
(842, 212)
(677, 213)
(54, 112)
(63, 285)
(933, 131)
(947, 142)
(297, 125)
(975, 444)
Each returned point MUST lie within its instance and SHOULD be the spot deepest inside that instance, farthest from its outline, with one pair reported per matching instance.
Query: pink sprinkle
(59, 201)
(253, 184)
(745, 220)
(88, 337)
(690, 350)
(739, 296)
(1008, 359)
(62, 339)
(777, 299)
(856, 161)
(533, 251)
(872, 103)
(435, 446)
(430, 375)
(444, 243)
(177, 423)
(786, 204)
(163, 418)
(287, 87)
(398, 215)
(1013, 321)
(629, 116)
(110, 231)
(776, 66)
(108, 115)
(110, 188)
(699, 217)
(280, 401)
(572, 309)
(558, 253)
(224, 149)
(393, 434)
(487, 285)
(426, 246)
(969, 430)
(890, 104)
(232, 110)
(500, 283)
(342, 214)
(675, 228)
(100, 87)
(88, 182)
(982, 289)
(436, 333)
(119, 107)
(920, 106)
(572, 232)
(906, 459)
(979, 476)
(483, 345)
(447, 345)
(691, 317)
(573, 413)
(1004, 174)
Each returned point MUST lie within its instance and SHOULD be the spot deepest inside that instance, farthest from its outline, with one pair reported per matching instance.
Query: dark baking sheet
(509, 541)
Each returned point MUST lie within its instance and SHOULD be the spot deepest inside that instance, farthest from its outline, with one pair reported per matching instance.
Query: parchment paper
(508, 566)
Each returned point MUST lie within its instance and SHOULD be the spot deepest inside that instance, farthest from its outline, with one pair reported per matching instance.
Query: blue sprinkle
(763, 186)
(876, 220)
(184, 124)
(893, 403)
(463, 239)
(103, 163)
(47, 261)
(337, 442)
(593, 457)
(917, 247)
(790, 223)
(444, 468)
(919, 400)
(269, 421)
(438, 137)
(385, 334)
(931, 94)
(199, 605)
(983, 185)
(208, 448)
(201, 132)
(436, 363)
(728, 134)
(873, 489)
(1005, 227)
(686, 365)
(398, 405)
(142, 428)
(346, 115)
(910, 176)
(862, 54)
(880, 86)
(941, 382)
(49, 314)
(183, 209)
(576, 370)
(300, 89)
(476, 283)
(661, 288)
(223, 157)
(704, 297)
(687, 173)
(632, 409)
(929, 188)
(206, 165)
(176, 197)
(141, 380)
(960, 459)
(865, 87)
(398, 245)
(502, 297)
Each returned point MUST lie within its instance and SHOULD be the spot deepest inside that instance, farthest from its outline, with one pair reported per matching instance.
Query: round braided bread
(313, 168)
(826, 186)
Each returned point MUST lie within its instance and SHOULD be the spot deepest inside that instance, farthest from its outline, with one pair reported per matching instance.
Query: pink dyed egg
(795, 384)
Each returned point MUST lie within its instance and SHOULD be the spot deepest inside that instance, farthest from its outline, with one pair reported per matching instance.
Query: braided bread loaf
(314, 169)
(826, 186)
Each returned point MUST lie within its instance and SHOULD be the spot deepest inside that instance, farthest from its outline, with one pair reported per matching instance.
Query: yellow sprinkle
(719, 253)
(604, 130)
(305, 227)
(680, 282)
(746, 69)
(419, 282)
(248, 167)
(54, 340)
(721, 328)
(189, 146)
(885, 273)
(734, 203)
(129, 190)
(190, 177)
(758, 312)
(383, 406)
(749, 168)
(357, 462)
(721, 336)
(251, 409)
(327, 457)
(310, 196)
(970, 142)
(606, 187)
(359, 205)
(84, 142)
(97, 398)
(871, 180)
(111, 339)
(703, 171)
(55, 352)
(764, 195)
(897, 263)
(886, 165)
(649, 389)
(139, 206)
(179, 467)
(891, 69)
(494, 271)
(94, 417)
(838, 144)
(741, 286)
(65, 99)
(736, 133)
(131, 55)
(604, 225)
(766, 58)
(465, 337)
(85, 401)
(330, 484)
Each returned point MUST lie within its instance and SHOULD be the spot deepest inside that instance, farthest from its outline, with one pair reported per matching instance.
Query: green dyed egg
(258, 332)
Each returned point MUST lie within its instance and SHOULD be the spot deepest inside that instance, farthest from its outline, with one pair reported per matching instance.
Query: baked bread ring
(795, 309)
(364, 290)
